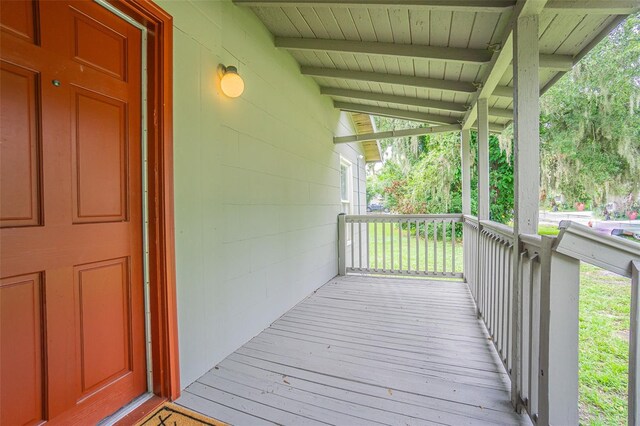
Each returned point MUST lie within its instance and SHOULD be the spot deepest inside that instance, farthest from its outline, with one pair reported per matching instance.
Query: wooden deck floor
(364, 351)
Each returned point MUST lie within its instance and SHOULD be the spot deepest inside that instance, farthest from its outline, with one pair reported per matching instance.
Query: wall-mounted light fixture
(231, 83)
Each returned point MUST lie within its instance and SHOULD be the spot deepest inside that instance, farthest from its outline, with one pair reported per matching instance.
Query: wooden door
(71, 289)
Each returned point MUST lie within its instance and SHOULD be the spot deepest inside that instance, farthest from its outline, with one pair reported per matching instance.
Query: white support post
(527, 126)
(483, 160)
(634, 347)
(526, 166)
(465, 154)
(342, 244)
(483, 192)
(465, 136)
(559, 327)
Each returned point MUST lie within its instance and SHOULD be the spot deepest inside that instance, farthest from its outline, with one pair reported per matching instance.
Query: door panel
(20, 147)
(22, 334)
(99, 159)
(111, 58)
(19, 18)
(72, 211)
(103, 288)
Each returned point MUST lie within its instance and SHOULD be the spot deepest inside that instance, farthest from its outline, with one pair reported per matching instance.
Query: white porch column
(483, 195)
(483, 159)
(526, 98)
(526, 165)
(465, 154)
(342, 245)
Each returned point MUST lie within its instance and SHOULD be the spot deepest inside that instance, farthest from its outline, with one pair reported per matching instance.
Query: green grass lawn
(548, 230)
(604, 347)
(604, 324)
(416, 262)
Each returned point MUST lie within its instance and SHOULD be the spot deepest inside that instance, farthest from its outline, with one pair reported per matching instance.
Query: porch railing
(526, 290)
(494, 285)
(534, 325)
(410, 245)
(526, 340)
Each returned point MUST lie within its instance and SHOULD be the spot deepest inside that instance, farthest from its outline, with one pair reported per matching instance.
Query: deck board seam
(338, 399)
(412, 350)
(256, 402)
(366, 394)
(293, 399)
(219, 403)
(430, 360)
(426, 338)
(377, 386)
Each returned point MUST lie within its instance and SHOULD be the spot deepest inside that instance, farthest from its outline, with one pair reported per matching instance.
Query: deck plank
(364, 350)
(370, 396)
(427, 369)
(432, 409)
(400, 354)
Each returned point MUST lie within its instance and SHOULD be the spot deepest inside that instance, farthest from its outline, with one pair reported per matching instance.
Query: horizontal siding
(256, 182)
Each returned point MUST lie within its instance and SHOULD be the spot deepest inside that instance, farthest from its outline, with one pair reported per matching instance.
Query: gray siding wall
(257, 182)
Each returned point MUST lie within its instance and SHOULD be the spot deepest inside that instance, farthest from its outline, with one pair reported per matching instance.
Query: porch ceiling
(430, 60)
(364, 124)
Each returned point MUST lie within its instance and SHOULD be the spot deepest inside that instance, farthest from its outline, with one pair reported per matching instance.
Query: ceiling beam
(405, 115)
(501, 59)
(583, 7)
(420, 131)
(503, 92)
(493, 128)
(393, 99)
(556, 62)
(408, 100)
(395, 113)
(452, 5)
(402, 80)
(453, 54)
(450, 54)
(502, 113)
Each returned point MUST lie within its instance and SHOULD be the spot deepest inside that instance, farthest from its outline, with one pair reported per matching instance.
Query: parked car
(375, 207)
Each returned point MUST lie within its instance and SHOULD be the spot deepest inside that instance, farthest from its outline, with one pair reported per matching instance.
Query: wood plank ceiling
(428, 60)
(363, 124)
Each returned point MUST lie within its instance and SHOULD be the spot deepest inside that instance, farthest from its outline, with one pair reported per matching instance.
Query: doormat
(169, 414)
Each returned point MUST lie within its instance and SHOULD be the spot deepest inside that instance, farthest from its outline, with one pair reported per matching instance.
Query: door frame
(163, 303)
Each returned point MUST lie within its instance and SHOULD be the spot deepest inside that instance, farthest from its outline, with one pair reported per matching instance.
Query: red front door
(71, 288)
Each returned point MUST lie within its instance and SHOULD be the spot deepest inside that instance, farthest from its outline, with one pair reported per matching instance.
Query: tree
(423, 175)
(590, 142)
(590, 122)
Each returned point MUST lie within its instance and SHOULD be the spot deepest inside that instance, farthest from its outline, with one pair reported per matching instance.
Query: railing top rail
(532, 242)
(400, 217)
(611, 253)
(498, 228)
(470, 218)
(531, 239)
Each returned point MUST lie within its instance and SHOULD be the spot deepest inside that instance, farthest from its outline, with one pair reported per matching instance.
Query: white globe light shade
(231, 83)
